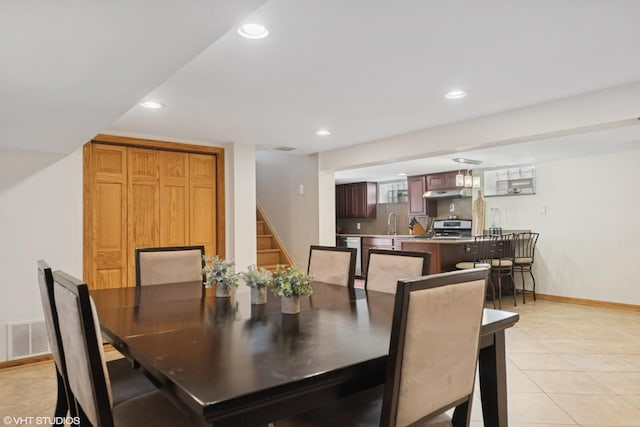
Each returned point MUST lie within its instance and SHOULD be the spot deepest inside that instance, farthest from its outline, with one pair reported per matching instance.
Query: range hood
(456, 193)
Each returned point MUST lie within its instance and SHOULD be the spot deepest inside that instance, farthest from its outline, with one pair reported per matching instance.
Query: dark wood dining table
(237, 364)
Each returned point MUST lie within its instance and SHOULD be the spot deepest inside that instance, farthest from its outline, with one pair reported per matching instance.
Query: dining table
(233, 363)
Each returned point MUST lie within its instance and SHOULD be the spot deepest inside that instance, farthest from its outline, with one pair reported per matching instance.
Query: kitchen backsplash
(462, 208)
(379, 224)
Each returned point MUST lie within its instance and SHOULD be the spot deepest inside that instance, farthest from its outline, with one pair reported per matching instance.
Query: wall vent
(26, 339)
(283, 148)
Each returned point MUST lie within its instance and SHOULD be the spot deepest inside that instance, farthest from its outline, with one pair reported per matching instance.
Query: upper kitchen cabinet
(442, 181)
(357, 200)
(418, 205)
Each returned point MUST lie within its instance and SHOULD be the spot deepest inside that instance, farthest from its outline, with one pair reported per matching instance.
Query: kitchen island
(445, 253)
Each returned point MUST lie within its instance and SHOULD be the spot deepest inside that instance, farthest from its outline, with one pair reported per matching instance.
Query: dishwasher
(353, 242)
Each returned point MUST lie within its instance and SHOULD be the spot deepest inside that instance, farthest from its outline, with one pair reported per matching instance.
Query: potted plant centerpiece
(290, 283)
(257, 279)
(220, 272)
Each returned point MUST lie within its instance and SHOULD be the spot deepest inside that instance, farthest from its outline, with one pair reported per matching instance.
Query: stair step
(260, 225)
(268, 256)
(273, 267)
(265, 241)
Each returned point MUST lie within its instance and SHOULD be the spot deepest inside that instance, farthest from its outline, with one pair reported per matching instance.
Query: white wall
(240, 196)
(295, 216)
(588, 246)
(40, 218)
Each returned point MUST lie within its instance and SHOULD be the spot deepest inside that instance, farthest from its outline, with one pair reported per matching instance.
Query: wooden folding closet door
(204, 199)
(147, 196)
(105, 216)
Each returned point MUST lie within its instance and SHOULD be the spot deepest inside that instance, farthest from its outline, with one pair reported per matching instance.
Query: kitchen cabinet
(442, 181)
(444, 254)
(357, 200)
(418, 205)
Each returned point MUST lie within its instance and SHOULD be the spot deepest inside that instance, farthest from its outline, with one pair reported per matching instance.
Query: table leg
(493, 382)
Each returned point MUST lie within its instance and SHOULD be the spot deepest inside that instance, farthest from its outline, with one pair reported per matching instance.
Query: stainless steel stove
(451, 229)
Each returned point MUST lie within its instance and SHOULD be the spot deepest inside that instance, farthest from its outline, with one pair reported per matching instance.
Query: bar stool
(524, 252)
(502, 261)
(481, 250)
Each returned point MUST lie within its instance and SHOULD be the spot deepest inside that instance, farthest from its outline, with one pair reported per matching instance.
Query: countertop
(411, 237)
(403, 236)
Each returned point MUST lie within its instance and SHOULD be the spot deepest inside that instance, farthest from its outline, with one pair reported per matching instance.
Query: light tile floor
(567, 365)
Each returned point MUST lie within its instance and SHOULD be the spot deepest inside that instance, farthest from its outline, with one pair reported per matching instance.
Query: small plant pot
(290, 305)
(223, 291)
(259, 295)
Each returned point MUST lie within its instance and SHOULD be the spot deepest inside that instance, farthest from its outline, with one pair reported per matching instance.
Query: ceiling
(366, 69)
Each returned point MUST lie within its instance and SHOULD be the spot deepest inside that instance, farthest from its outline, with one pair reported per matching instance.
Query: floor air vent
(27, 339)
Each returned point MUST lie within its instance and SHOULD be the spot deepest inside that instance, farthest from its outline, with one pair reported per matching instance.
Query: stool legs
(527, 268)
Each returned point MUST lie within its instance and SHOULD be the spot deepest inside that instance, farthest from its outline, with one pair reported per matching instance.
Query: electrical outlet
(357, 226)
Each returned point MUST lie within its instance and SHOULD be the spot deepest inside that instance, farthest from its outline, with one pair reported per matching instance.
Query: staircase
(271, 251)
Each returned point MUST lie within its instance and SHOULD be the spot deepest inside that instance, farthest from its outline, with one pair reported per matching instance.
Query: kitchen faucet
(394, 225)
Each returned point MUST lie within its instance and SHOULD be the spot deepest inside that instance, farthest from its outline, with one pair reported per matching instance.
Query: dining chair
(64, 397)
(335, 265)
(171, 264)
(481, 251)
(524, 252)
(88, 376)
(433, 353)
(126, 382)
(386, 267)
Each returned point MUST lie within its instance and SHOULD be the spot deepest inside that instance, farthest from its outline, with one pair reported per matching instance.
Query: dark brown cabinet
(418, 205)
(442, 181)
(357, 200)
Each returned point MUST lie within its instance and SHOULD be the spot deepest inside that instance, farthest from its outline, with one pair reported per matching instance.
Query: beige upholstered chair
(87, 372)
(386, 267)
(433, 356)
(333, 265)
(157, 266)
(126, 382)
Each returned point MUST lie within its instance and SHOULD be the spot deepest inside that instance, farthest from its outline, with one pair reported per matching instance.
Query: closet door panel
(143, 204)
(203, 215)
(174, 198)
(106, 223)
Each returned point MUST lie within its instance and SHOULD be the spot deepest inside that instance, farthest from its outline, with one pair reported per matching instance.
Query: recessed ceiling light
(402, 174)
(456, 94)
(323, 132)
(466, 161)
(253, 31)
(152, 105)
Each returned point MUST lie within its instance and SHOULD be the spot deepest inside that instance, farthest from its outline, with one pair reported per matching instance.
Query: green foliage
(290, 281)
(256, 277)
(221, 271)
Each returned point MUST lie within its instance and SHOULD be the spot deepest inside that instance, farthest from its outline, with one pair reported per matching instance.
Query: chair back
(332, 265)
(503, 250)
(484, 248)
(45, 283)
(525, 247)
(82, 345)
(386, 267)
(434, 345)
(157, 266)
